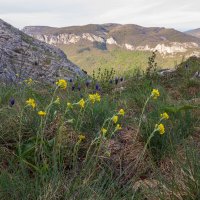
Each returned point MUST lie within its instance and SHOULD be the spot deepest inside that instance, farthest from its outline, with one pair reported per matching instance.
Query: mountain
(24, 57)
(128, 36)
(195, 32)
(118, 46)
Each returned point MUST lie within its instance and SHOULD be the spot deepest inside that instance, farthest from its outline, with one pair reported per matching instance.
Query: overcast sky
(178, 14)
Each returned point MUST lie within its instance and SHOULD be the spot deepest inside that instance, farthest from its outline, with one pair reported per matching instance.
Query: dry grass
(125, 156)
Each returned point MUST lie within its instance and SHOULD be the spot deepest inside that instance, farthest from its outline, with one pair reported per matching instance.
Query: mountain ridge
(128, 36)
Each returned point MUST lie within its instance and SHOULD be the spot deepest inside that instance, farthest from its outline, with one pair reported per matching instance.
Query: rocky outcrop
(165, 72)
(111, 41)
(22, 57)
(171, 48)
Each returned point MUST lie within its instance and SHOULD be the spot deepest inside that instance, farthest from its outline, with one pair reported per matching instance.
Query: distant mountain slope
(129, 36)
(195, 32)
(123, 47)
(138, 35)
(22, 57)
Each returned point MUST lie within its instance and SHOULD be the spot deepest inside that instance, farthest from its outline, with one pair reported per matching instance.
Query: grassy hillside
(89, 58)
(130, 138)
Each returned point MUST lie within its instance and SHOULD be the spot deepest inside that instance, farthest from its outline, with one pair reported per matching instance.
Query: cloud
(180, 14)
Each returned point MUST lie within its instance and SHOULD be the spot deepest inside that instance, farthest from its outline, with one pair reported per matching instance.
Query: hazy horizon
(181, 14)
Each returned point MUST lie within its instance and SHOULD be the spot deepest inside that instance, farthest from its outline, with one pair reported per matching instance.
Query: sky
(179, 14)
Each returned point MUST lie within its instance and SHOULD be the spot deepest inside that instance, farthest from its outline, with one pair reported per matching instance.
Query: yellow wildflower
(31, 102)
(97, 97)
(92, 98)
(160, 128)
(164, 115)
(121, 112)
(115, 119)
(81, 137)
(104, 131)
(155, 93)
(69, 105)
(118, 127)
(62, 83)
(81, 103)
(42, 113)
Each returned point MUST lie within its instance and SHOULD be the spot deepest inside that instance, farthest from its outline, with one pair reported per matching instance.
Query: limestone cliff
(130, 37)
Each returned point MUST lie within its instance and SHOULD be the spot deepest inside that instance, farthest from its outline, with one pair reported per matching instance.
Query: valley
(122, 47)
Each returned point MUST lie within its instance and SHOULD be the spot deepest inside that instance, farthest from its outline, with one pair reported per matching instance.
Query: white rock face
(129, 47)
(59, 39)
(175, 47)
(172, 48)
(162, 48)
(92, 37)
(71, 39)
(111, 41)
(68, 38)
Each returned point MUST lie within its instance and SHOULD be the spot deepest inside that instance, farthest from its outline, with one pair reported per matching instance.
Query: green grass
(123, 61)
(44, 158)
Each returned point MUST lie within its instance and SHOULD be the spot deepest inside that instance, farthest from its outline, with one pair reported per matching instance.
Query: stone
(164, 72)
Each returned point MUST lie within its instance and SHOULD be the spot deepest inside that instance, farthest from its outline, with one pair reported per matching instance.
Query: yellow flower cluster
(94, 97)
(164, 115)
(160, 128)
(155, 93)
(115, 119)
(121, 112)
(81, 103)
(62, 83)
(42, 113)
(31, 102)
